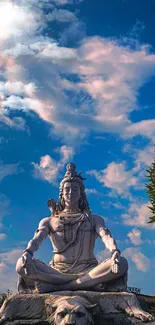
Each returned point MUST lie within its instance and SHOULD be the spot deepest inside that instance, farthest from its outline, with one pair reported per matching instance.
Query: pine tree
(150, 188)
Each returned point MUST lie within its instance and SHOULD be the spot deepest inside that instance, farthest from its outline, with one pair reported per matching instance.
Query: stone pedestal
(108, 308)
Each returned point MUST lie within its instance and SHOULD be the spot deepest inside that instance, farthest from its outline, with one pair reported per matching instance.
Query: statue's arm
(40, 234)
(105, 234)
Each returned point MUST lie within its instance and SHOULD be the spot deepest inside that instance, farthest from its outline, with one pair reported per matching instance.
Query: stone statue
(75, 308)
(72, 229)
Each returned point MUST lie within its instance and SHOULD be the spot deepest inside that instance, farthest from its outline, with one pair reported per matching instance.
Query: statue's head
(73, 311)
(72, 190)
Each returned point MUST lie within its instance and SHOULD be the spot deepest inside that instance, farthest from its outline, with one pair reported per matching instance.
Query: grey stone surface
(104, 308)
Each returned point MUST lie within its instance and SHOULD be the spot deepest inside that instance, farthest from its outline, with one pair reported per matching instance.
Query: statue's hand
(115, 262)
(51, 203)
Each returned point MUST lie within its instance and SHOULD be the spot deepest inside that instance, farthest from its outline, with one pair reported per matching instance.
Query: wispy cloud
(115, 177)
(8, 275)
(4, 207)
(138, 215)
(11, 256)
(15, 122)
(62, 15)
(103, 255)
(137, 29)
(142, 262)
(135, 236)
(144, 156)
(91, 191)
(144, 128)
(48, 169)
(3, 236)
(7, 169)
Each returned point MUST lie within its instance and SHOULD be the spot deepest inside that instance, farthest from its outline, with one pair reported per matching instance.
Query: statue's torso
(73, 238)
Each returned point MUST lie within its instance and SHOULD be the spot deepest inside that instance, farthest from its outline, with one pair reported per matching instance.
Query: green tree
(150, 188)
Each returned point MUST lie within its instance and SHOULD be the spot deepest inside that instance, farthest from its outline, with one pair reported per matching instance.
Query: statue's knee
(124, 264)
(19, 267)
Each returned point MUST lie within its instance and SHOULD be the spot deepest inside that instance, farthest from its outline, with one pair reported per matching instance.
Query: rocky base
(108, 308)
(121, 320)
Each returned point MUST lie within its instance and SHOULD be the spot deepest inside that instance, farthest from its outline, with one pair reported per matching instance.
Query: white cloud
(45, 3)
(12, 256)
(26, 104)
(35, 4)
(4, 207)
(2, 236)
(73, 33)
(109, 74)
(62, 15)
(115, 177)
(136, 29)
(12, 21)
(142, 160)
(144, 128)
(118, 205)
(66, 153)
(7, 169)
(113, 76)
(144, 156)
(8, 278)
(17, 87)
(8, 275)
(138, 215)
(49, 169)
(142, 262)
(57, 54)
(91, 191)
(135, 236)
(64, 2)
(103, 255)
(15, 122)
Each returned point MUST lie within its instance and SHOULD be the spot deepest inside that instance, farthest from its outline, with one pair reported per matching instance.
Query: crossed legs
(47, 279)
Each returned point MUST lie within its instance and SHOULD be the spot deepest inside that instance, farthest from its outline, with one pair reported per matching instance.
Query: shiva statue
(72, 230)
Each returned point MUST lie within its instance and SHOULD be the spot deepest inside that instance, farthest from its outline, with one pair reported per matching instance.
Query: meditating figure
(72, 229)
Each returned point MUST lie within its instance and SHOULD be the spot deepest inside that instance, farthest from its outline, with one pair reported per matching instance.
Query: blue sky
(77, 84)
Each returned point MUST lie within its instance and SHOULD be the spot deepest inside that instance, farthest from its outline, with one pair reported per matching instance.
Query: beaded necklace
(75, 237)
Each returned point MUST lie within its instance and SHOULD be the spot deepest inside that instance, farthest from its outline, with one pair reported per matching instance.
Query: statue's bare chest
(68, 229)
(58, 223)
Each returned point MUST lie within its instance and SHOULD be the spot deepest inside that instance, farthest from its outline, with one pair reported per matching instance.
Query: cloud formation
(138, 215)
(144, 128)
(3, 236)
(8, 275)
(4, 207)
(141, 261)
(115, 177)
(135, 236)
(90, 191)
(11, 256)
(108, 75)
(62, 15)
(7, 169)
(48, 169)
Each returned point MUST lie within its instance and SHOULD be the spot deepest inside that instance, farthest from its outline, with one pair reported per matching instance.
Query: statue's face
(71, 193)
(73, 314)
